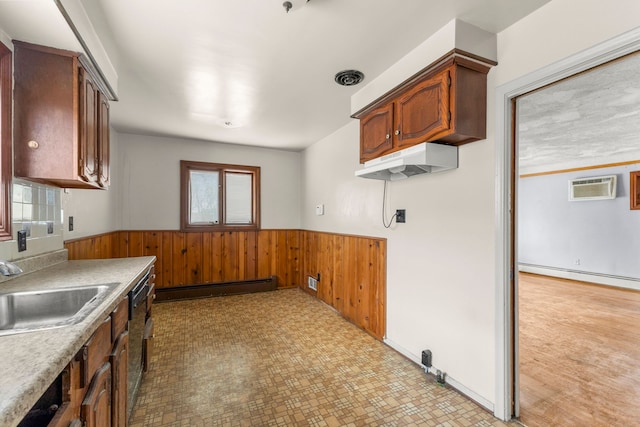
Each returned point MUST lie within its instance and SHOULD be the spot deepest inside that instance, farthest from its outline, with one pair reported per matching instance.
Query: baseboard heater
(207, 290)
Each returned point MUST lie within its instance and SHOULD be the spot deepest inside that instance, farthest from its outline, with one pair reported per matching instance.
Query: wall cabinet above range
(446, 102)
(61, 119)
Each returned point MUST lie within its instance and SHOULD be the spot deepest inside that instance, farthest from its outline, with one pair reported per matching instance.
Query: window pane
(203, 197)
(238, 197)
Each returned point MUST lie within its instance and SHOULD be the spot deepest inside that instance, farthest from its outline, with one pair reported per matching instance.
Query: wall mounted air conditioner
(592, 188)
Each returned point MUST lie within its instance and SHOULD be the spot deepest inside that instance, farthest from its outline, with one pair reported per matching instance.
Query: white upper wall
(5, 39)
(149, 169)
(559, 29)
(441, 278)
(456, 34)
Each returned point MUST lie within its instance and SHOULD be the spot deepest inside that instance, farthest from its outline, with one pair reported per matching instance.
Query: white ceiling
(187, 67)
(589, 119)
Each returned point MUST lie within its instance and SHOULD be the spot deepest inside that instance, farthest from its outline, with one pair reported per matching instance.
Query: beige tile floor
(284, 358)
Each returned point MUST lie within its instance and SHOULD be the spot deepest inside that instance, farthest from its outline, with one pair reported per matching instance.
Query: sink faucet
(9, 269)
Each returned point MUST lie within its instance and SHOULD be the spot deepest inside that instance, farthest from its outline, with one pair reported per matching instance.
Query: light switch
(320, 209)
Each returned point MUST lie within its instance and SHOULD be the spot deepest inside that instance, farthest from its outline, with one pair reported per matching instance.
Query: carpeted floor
(284, 358)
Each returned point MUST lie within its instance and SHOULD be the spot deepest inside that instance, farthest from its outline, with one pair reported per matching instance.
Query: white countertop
(31, 361)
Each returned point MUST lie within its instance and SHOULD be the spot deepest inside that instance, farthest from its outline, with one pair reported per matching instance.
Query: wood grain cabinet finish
(61, 120)
(88, 122)
(104, 138)
(95, 382)
(119, 362)
(96, 406)
(445, 103)
(147, 345)
(96, 351)
(149, 334)
(376, 130)
(423, 111)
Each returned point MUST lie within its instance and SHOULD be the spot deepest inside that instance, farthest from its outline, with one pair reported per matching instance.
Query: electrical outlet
(22, 240)
(70, 223)
(400, 216)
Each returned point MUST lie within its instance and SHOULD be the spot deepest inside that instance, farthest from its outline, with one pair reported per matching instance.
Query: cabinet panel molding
(61, 120)
(445, 103)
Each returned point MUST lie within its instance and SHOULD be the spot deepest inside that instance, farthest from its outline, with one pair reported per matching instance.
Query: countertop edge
(18, 401)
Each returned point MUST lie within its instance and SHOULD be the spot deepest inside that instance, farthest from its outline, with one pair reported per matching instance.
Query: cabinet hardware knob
(33, 144)
(388, 136)
(397, 132)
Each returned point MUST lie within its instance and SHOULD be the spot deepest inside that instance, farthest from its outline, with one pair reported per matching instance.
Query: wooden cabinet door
(96, 406)
(103, 140)
(423, 111)
(88, 148)
(95, 352)
(119, 361)
(147, 345)
(375, 133)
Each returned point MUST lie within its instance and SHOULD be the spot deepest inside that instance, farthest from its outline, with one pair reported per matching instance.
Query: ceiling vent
(593, 188)
(349, 77)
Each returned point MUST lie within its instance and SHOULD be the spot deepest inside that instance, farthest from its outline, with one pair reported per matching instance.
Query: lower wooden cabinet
(94, 384)
(96, 406)
(147, 345)
(119, 363)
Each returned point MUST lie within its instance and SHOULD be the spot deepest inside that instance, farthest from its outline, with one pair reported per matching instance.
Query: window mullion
(222, 198)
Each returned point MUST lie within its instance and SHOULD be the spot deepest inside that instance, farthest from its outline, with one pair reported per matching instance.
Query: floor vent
(594, 188)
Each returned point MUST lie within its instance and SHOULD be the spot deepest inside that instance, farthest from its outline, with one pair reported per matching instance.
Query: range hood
(427, 157)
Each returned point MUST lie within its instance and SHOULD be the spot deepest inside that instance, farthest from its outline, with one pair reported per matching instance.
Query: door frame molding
(506, 346)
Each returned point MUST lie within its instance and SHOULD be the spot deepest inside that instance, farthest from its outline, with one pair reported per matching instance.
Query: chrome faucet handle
(9, 269)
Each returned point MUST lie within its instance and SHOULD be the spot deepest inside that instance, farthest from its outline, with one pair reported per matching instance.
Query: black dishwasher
(137, 313)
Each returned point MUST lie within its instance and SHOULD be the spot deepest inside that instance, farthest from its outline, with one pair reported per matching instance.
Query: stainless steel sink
(37, 310)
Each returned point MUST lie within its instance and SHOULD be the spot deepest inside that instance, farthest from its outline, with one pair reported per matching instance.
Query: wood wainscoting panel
(99, 246)
(352, 276)
(352, 269)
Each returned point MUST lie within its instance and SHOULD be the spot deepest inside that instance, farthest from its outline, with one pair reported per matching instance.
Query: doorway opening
(576, 145)
(508, 381)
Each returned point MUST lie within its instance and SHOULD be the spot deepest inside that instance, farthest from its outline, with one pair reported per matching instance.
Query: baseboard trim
(216, 289)
(600, 279)
(449, 380)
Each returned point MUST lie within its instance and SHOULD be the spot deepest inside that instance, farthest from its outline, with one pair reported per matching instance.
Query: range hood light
(397, 176)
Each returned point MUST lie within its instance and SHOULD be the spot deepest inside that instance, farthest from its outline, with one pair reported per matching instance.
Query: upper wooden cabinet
(446, 102)
(375, 132)
(61, 119)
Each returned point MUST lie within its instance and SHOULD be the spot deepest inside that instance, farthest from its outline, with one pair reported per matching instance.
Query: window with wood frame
(6, 174)
(217, 196)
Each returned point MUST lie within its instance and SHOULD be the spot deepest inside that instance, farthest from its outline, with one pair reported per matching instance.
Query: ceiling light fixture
(349, 77)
